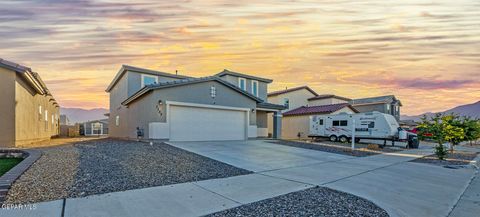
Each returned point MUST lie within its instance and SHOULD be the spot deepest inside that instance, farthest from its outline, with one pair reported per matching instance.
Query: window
(255, 88)
(242, 83)
(286, 103)
(340, 123)
(148, 80)
(213, 91)
(371, 124)
(97, 128)
(117, 120)
(46, 115)
(320, 122)
(39, 112)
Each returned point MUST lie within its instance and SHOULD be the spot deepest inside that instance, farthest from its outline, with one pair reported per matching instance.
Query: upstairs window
(255, 88)
(286, 103)
(117, 120)
(242, 83)
(148, 80)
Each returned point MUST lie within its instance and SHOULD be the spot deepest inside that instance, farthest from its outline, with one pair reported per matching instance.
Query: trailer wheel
(333, 138)
(343, 139)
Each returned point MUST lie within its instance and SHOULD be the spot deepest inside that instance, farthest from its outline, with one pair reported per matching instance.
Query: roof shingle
(291, 90)
(322, 109)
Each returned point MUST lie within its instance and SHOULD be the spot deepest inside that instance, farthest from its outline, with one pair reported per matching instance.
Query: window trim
(256, 83)
(101, 128)
(244, 82)
(148, 76)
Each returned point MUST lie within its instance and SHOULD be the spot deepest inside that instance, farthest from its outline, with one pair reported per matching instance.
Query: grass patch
(8, 163)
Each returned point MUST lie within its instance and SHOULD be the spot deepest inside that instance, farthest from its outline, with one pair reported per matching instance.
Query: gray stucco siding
(262, 86)
(135, 81)
(262, 119)
(144, 110)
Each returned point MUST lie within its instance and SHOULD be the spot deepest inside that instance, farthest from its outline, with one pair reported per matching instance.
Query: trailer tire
(333, 138)
(343, 139)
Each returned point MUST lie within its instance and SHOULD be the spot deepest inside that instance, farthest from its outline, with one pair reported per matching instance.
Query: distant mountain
(78, 115)
(471, 110)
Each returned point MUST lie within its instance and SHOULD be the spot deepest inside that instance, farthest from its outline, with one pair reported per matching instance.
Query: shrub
(441, 151)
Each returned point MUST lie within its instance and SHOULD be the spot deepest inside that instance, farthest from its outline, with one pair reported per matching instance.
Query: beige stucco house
(301, 103)
(28, 111)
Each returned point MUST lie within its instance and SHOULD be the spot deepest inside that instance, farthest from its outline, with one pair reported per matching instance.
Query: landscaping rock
(318, 201)
(108, 165)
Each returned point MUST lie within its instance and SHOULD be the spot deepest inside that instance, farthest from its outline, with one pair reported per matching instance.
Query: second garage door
(206, 124)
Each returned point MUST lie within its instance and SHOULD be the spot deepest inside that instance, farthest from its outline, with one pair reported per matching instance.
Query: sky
(426, 52)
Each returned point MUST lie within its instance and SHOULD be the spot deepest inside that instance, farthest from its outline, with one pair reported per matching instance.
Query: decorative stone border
(6, 181)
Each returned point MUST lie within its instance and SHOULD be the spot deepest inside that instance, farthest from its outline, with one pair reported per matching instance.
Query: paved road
(400, 187)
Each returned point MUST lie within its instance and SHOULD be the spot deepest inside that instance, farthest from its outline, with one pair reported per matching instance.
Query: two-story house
(159, 105)
(28, 111)
(386, 104)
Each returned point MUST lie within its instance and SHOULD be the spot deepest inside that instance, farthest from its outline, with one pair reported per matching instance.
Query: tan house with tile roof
(28, 111)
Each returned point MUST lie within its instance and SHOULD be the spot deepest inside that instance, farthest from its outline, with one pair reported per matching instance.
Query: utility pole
(353, 134)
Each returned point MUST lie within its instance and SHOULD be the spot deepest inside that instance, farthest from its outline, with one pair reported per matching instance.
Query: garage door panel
(206, 124)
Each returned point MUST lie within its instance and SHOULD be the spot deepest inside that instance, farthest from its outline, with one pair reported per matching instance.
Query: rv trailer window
(371, 125)
(344, 123)
(336, 123)
(320, 122)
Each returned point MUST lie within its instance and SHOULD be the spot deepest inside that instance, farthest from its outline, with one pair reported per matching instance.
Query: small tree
(472, 129)
(444, 128)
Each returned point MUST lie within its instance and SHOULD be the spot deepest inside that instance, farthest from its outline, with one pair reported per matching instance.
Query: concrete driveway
(259, 155)
(400, 187)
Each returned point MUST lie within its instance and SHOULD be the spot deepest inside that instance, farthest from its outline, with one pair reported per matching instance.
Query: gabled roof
(279, 92)
(126, 68)
(327, 96)
(30, 76)
(376, 100)
(188, 81)
(227, 72)
(322, 109)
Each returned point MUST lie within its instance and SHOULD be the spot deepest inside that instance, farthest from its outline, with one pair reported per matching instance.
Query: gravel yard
(457, 158)
(338, 148)
(108, 165)
(318, 201)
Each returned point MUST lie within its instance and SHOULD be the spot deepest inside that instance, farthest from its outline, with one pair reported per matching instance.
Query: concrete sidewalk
(389, 180)
(469, 203)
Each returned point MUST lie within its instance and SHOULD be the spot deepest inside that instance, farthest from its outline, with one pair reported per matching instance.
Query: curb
(476, 162)
(7, 179)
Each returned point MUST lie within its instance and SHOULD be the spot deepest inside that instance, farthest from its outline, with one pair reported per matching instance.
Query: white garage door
(206, 124)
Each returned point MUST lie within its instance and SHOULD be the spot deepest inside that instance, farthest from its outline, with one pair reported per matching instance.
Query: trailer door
(318, 126)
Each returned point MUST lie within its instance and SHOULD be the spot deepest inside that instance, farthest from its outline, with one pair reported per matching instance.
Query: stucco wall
(297, 99)
(262, 119)
(135, 81)
(328, 101)
(118, 94)
(262, 86)
(7, 108)
(30, 125)
(143, 111)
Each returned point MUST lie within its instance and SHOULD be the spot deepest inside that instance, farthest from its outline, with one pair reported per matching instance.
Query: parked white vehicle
(370, 125)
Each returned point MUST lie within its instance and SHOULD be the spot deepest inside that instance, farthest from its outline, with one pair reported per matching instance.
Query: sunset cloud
(418, 50)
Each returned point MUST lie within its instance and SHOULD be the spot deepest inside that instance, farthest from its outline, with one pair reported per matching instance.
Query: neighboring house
(327, 99)
(95, 128)
(291, 98)
(64, 120)
(28, 111)
(296, 122)
(226, 106)
(385, 104)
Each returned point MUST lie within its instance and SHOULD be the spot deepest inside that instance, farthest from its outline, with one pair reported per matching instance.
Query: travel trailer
(370, 125)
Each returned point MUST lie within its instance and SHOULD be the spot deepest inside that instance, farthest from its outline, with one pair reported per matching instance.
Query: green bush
(441, 152)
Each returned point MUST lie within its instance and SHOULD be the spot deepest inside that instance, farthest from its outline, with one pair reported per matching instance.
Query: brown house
(28, 111)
